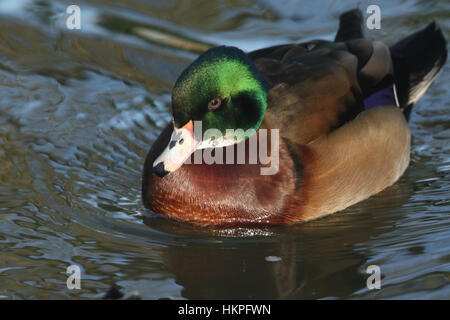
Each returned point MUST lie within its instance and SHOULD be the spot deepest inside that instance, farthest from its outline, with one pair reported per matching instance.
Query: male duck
(341, 109)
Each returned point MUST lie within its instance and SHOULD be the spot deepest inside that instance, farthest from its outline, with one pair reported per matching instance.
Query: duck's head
(223, 95)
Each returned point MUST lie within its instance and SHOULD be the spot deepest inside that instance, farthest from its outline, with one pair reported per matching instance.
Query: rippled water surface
(79, 110)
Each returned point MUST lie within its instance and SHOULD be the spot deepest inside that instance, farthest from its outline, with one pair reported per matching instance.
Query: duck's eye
(214, 103)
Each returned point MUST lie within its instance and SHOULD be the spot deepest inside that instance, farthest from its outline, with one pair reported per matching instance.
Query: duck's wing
(317, 86)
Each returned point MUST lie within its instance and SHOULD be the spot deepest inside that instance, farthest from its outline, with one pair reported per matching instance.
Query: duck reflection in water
(312, 260)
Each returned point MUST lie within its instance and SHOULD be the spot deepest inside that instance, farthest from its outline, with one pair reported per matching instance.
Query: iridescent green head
(223, 90)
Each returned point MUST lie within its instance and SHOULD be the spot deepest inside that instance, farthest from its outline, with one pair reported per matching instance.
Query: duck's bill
(181, 145)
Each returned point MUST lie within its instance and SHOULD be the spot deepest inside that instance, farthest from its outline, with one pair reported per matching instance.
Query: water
(79, 110)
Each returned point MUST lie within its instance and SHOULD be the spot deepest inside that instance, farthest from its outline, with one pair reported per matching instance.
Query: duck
(289, 133)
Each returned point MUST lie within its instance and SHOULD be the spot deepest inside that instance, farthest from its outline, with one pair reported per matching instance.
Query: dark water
(79, 110)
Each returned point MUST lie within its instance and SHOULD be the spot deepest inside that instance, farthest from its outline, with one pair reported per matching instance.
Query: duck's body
(342, 125)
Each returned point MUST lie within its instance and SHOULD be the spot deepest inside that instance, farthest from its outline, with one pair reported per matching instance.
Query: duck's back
(314, 87)
(321, 84)
(318, 86)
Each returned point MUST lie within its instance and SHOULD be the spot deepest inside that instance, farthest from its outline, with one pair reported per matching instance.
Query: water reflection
(300, 262)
